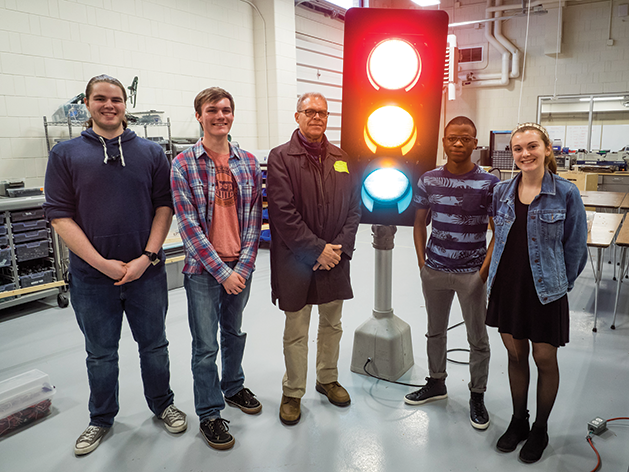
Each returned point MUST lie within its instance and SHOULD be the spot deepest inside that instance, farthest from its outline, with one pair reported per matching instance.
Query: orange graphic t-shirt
(224, 228)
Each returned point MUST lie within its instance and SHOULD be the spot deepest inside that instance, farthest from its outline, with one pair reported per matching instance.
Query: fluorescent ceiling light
(426, 3)
(601, 99)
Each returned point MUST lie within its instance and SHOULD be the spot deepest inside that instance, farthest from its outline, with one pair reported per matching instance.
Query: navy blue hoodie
(110, 188)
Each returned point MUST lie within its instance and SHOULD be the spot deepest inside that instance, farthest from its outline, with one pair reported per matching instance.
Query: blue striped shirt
(460, 206)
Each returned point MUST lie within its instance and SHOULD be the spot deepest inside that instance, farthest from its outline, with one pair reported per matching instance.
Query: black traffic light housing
(393, 74)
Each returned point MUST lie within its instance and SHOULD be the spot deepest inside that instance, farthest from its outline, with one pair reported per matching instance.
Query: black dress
(514, 306)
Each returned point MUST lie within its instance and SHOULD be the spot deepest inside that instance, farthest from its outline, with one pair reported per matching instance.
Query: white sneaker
(89, 440)
(174, 419)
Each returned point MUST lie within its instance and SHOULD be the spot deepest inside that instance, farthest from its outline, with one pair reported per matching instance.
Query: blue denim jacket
(556, 230)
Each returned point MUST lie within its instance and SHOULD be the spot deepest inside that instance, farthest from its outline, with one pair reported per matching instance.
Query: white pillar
(276, 70)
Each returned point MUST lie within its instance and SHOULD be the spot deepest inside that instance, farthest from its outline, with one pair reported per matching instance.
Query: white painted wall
(50, 49)
(586, 64)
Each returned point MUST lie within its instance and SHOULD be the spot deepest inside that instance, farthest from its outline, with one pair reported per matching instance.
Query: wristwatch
(153, 257)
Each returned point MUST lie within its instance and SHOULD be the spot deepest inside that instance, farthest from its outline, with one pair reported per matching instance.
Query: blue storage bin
(29, 226)
(30, 236)
(27, 215)
(265, 235)
(34, 250)
(37, 278)
(5, 257)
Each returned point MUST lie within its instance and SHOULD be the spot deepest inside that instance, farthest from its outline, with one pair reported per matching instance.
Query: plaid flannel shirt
(193, 178)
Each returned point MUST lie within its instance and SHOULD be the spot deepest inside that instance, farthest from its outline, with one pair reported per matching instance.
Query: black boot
(517, 431)
(534, 447)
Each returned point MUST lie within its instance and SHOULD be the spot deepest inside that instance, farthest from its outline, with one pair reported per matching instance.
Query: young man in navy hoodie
(108, 197)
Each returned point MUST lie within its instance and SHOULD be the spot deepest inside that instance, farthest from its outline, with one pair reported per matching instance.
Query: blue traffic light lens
(388, 187)
(394, 64)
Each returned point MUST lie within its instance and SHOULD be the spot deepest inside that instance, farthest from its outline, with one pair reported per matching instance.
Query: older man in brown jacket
(314, 211)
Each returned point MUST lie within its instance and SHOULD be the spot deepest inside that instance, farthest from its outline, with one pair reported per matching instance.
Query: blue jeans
(208, 306)
(98, 309)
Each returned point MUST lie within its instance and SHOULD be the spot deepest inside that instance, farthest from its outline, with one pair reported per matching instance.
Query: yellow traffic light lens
(394, 64)
(386, 185)
(390, 127)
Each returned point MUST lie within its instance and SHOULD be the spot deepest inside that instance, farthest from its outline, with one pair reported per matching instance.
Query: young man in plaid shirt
(217, 192)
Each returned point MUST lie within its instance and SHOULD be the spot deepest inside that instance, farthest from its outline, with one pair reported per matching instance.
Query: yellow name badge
(341, 166)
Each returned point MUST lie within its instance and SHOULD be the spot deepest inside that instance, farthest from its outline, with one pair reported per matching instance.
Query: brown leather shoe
(290, 411)
(335, 392)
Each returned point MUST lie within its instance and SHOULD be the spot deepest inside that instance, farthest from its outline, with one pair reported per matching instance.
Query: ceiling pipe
(515, 52)
(510, 54)
(490, 80)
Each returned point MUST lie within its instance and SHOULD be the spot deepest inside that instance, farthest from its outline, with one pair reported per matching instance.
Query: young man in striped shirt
(217, 191)
(457, 196)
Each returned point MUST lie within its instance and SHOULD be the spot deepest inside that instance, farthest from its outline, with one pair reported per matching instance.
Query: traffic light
(393, 69)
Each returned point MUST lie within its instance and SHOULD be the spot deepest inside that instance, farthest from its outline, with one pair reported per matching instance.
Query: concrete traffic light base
(386, 340)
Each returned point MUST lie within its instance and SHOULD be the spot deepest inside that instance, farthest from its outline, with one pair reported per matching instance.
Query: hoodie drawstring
(120, 148)
(105, 150)
(102, 141)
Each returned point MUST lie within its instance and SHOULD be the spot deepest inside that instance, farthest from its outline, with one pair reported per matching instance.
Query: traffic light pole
(384, 338)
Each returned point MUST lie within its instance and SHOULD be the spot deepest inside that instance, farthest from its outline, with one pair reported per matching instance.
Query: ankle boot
(517, 431)
(534, 447)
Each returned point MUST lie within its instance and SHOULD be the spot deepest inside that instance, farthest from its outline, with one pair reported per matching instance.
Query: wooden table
(610, 200)
(604, 228)
(622, 240)
(624, 206)
(606, 201)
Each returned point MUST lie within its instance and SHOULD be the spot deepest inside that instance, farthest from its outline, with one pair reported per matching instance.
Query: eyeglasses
(463, 139)
(310, 113)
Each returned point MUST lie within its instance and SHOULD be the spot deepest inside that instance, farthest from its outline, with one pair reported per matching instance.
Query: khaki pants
(296, 347)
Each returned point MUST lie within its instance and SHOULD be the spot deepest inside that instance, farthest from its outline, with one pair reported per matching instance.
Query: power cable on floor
(415, 385)
(589, 440)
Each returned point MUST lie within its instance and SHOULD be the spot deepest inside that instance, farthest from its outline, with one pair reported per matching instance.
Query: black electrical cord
(457, 349)
(391, 381)
(589, 440)
(415, 385)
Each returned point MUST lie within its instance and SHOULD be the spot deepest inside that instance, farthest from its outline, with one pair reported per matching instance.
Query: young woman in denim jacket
(540, 249)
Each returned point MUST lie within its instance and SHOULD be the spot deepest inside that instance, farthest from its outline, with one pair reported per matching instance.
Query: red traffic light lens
(394, 64)
(390, 127)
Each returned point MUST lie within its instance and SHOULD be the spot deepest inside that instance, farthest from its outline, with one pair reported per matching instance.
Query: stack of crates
(32, 246)
(5, 259)
(265, 235)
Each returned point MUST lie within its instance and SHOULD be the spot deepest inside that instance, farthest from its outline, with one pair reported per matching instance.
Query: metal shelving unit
(32, 261)
(70, 124)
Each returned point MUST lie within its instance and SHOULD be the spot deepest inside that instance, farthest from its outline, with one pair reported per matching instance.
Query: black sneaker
(246, 401)
(478, 413)
(435, 389)
(216, 433)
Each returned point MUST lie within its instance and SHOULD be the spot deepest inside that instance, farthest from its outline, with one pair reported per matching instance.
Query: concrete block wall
(49, 49)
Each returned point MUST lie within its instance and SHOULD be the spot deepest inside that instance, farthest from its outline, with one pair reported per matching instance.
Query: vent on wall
(467, 55)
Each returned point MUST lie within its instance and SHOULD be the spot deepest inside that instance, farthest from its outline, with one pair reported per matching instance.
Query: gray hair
(301, 99)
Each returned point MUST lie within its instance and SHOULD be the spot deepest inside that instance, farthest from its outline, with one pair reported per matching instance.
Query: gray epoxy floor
(378, 432)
